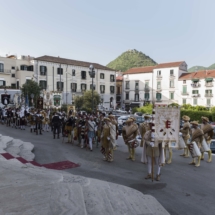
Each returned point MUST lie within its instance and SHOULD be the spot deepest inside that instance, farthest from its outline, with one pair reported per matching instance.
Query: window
(2, 83)
(60, 71)
(136, 96)
(94, 87)
(17, 84)
(127, 85)
(13, 67)
(184, 81)
(184, 89)
(159, 72)
(171, 95)
(73, 87)
(112, 78)
(83, 74)
(102, 76)
(208, 92)
(171, 72)
(13, 75)
(30, 68)
(1, 67)
(158, 85)
(208, 102)
(127, 96)
(43, 70)
(43, 84)
(83, 87)
(184, 101)
(158, 96)
(195, 91)
(24, 67)
(146, 84)
(146, 96)
(13, 86)
(118, 98)
(136, 85)
(118, 90)
(60, 86)
(194, 101)
(111, 89)
(171, 83)
(102, 88)
(73, 72)
(27, 80)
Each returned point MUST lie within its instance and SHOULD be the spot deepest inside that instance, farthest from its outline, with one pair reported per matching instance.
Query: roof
(71, 62)
(198, 75)
(119, 78)
(147, 69)
(168, 65)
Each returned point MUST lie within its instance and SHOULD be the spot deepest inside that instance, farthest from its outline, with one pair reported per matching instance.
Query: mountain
(129, 59)
(198, 68)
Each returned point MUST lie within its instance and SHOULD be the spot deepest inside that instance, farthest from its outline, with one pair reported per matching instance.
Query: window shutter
(4, 83)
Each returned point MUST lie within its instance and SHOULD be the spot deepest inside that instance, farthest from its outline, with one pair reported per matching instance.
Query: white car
(121, 111)
(122, 119)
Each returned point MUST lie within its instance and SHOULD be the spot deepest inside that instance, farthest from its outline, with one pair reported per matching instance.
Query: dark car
(213, 146)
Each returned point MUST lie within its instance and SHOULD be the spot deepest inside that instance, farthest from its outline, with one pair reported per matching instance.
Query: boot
(198, 161)
(209, 156)
(148, 176)
(132, 154)
(186, 153)
(158, 177)
(202, 156)
(193, 162)
(170, 158)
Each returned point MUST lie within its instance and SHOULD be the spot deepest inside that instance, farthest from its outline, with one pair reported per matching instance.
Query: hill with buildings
(198, 68)
(129, 59)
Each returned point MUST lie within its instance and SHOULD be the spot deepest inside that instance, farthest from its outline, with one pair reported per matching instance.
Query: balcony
(127, 88)
(5, 71)
(146, 89)
(184, 93)
(158, 100)
(209, 84)
(196, 95)
(136, 88)
(102, 91)
(208, 95)
(195, 85)
(172, 76)
(159, 76)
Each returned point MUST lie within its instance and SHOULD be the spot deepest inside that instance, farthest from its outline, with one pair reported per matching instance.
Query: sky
(100, 30)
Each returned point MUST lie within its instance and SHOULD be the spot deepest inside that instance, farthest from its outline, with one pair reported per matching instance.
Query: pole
(53, 78)
(92, 90)
(66, 89)
(60, 77)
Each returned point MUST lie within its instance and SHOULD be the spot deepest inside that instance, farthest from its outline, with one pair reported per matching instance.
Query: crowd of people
(86, 129)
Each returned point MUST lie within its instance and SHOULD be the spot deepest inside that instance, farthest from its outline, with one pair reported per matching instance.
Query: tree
(79, 101)
(31, 87)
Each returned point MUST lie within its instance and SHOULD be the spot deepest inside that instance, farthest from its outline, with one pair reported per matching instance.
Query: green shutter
(185, 89)
(208, 79)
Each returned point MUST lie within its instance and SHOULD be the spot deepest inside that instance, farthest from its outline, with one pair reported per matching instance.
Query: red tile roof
(119, 78)
(147, 69)
(168, 65)
(198, 75)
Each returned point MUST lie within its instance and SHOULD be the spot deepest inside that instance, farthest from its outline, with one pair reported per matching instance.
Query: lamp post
(92, 75)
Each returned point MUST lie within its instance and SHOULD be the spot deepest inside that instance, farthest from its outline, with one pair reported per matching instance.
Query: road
(183, 189)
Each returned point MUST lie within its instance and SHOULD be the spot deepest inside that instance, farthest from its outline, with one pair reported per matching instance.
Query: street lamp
(92, 75)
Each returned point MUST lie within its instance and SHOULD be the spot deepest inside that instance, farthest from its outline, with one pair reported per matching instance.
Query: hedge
(196, 115)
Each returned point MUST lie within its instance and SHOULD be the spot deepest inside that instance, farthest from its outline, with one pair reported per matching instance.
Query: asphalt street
(183, 189)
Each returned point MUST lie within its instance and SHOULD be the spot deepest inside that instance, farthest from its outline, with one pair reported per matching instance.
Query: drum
(205, 147)
(181, 143)
(194, 149)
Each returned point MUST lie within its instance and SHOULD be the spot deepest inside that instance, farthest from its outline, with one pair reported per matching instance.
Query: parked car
(122, 119)
(138, 114)
(121, 111)
(139, 120)
(213, 146)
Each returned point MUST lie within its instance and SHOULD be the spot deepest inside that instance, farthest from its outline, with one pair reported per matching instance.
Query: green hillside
(129, 59)
(198, 68)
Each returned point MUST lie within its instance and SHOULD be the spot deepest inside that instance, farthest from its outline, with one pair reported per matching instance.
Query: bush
(145, 109)
(196, 115)
(134, 110)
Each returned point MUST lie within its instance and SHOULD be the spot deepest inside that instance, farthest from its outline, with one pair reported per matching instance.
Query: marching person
(69, 127)
(107, 147)
(56, 125)
(91, 132)
(151, 152)
(197, 137)
(185, 135)
(208, 135)
(129, 133)
(114, 128)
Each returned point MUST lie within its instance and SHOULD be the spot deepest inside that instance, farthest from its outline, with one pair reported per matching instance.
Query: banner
(57, 99)
(5, 99)
(40, 103)
(70, 110)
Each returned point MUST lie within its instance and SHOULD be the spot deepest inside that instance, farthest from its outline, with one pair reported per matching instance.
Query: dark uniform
(56, 122)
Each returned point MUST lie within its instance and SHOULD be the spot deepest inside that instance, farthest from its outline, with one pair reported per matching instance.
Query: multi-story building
(119, 78)
(157, 84)
(61, 79)
(197, 88)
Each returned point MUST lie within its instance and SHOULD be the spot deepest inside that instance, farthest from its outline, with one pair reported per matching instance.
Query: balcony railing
(5, 71)
(208, 95)
(136, 88)
(158, 100)
(195, 95)
(102, 91)
(127, 88)
(195, 85)
(159, 76)
(184, 93)
(146, 89)
(172, 76)
(209, 84)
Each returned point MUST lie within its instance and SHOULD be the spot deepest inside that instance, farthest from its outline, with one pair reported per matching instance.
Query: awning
(195, 79)
(208, 79)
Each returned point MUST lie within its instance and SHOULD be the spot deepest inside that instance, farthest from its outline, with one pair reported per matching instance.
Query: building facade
(61, 79)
